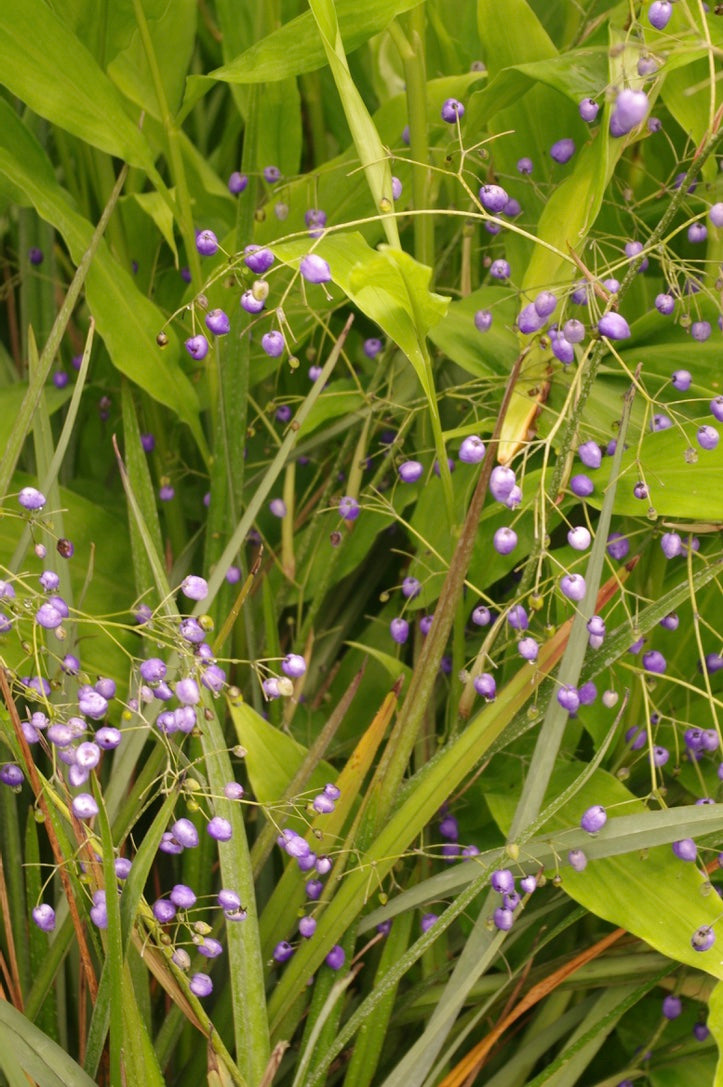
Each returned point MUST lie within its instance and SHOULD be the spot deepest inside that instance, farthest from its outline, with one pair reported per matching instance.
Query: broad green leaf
(11, 397)
(677, 487)
(480, 353)
(715, 1022)
(39, 1056)
(296, 47)
(389, 286)
(652, 894)
(46, 66)
(272, 756)
(126, 319)
(172, 31)
(159, 212)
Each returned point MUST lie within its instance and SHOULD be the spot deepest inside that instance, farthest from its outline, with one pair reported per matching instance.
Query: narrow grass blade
(39, 1056)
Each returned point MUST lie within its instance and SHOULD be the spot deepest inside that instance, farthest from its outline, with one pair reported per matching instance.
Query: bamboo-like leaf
(47, 67)
(39, 1056)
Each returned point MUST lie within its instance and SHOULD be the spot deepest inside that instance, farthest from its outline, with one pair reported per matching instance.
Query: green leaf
(11, 398)
(125, 318)
(296, 47)
(677, 487)
(46, 66)
(272, 756)
(39, 1056)
(172, 29)
(652, 894)
(480, 353)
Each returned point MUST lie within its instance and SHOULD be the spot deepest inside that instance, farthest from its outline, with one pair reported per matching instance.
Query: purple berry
(44, 917)
(500, 269)
(504, 541)
(588, 110)
(451, 110)
(594, 819)
(237, 183)
(665, 304)
(272, 174)
(525, 166)
(219, 829)
(315, 269)
(579, 538)
(197, 347)
(517, 617)
(563, 150)
(574, 332)
(273, 343)
(502, 480)
(671, 544)
(251, 303)
(31, 499)
(681, 379)
(399, 630)
(493, 198)
(715, 214)
(577, 860)
(502, 881)
(217, 322)
(503, 919)
(659, 13)
(590, 454)
(630, 109)
(581, 485)
(716, 408)
(472, 450)
(528, 649)
(481, 616)
(483, 320)
(545, 303)
(485, 686)
(697, 233)
(654, 661)
(613, 326)
(707, 437)
(529, 320)
(336, 957)
(702, 940)
(372, 347)
(410, 471)
(206, 243)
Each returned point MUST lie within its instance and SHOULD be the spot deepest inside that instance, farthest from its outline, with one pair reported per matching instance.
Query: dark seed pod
(162, 339)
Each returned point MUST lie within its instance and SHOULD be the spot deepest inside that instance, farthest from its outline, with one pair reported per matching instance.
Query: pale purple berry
(579, 538)
(594, 819)
(372, 347)
(399, 630)
(665, 304)
(672, 1006)
(277, 506)
(251, 303)
(563, 150)
(716, 408)
(197, 347)
(206, 243)
(524, 166)
(590, 454)
(493, 198)
(30, 498)
(574, 331)
(272, 174)
(451, 110)
(630, 109)
(573, 587)
(528, 649)
(529, 320)
(200, 984)
(502, 881)
(218, 322)
(194, 588)
(618, 546)
(563, 350)
(654, 661)
(697, 233)
(237, 182)
(410, 471)
(545, 303)
(349, 508)
(569, 699)
(702, 940)
(185, 833)
(681, 379)
(671, 544)
(483, 320)
(613, 326)
(588, 110)
(44, 917)
(472, 450)
(500, 269)
(336, 957)
(659, 13)
(504, 541)
(715, 214)
(315, 269)
(517, 617)
(660, 421)
(481, 616)
(503, 919)
(577, 860)
(84, 806)
(411, 587)
(596, 631)
(685, 849)
(707, 437)
(700, 331)
(528, 884)
(502, 480)
(219, 829)
(581, 485)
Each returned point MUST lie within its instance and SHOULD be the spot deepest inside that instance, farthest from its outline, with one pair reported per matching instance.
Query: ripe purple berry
(336, 957)
(613, 326)
(197, 347)
(273, 343)
(502, 881)
(31, 499)
(594, 819)
(671, 544)
(217, 322)
(588, 110)
(654, 661)
(44, 917)
(581, 485)
(707, 437)
(697, 233)
(579, 538)
(493, 198)
(702, 940)
(500, 269)
(503, 919)
(563, 150)
(472, 450)
(206, 243)
(524, 166)
(659, 13)
(715, 214)
(529, 320)
(410, 471)
(237, 182)
(577, 860)
(630, 109)
(485, 686)
(685, 849)
(399, 630)
(504, 541)
(483, 320)
(451, 110)
(502, 480)
(315, 269)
